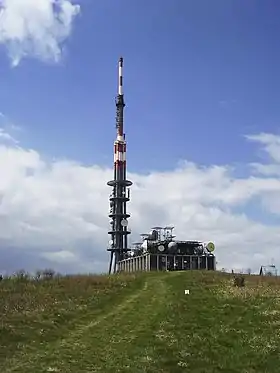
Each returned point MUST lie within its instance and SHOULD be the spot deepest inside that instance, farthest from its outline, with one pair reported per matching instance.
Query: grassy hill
(140, 323)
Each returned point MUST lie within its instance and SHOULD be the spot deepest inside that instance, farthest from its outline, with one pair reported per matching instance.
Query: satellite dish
(124, 223)
(161, 248)
(210, 247)
(111, 242)
(172, 245)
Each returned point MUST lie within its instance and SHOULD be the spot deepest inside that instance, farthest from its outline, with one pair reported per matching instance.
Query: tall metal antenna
(118, 244)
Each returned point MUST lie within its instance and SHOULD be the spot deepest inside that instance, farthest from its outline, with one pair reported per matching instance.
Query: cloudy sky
(202, 88)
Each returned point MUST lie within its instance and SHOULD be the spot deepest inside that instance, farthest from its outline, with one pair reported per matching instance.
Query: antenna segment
(118, 244)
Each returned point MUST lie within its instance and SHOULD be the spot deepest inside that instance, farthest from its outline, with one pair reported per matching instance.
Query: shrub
(239, 281)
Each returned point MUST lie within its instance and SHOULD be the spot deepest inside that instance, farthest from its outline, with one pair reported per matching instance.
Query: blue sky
(198, 76)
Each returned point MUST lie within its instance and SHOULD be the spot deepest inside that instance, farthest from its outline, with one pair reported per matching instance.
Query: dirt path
(118, 341)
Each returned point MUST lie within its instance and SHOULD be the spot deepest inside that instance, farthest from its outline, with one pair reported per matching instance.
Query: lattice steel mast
(119, 197)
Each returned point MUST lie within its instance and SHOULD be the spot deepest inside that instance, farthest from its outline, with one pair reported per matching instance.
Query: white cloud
(271, 169)
(55, 214)
(270, 142)
(36, 28)
(266, 169)
(6, 136)
(62, 256)
(7, 129)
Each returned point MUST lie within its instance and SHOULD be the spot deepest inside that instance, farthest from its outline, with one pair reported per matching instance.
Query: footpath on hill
(156, 328)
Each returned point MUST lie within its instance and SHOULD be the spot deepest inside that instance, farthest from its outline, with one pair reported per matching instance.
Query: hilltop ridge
(140, 323)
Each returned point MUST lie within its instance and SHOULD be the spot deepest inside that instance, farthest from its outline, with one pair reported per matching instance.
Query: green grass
(140, 323)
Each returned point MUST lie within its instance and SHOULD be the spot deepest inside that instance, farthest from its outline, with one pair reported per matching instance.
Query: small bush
(239, 281)
(21, 275)
(48, 273)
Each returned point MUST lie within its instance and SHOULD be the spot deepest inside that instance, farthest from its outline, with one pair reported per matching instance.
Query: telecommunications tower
(118, 244)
